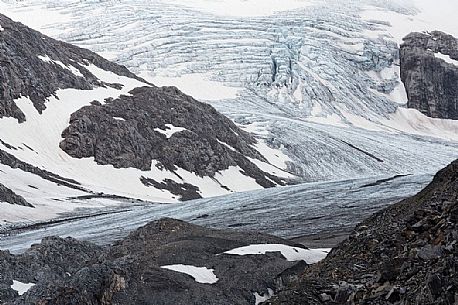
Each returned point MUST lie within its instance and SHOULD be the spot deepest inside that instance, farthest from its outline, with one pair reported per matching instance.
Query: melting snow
(70, 68)
(447, 58)
(197, 85)
(262, 298)
(414, 122)
(170, 131)
(200, 274)
(20, 287)
(275, 156)
(292, 254)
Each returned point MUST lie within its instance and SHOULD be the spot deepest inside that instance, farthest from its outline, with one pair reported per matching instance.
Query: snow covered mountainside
(317, 79)
(77, 130)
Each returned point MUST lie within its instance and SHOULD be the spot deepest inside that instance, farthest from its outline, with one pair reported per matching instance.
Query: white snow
(332, 119)
(276, 157)
(119, 118)
(447, 58)
(196, 85)
(235, 180)
(292, 254)
(244, 8)
(414, 122)
(70, 68)
(170, 131)
(433, 15)
(200, 274)
(271, 169)
(1, 28)
(20, 287)
(38, 17)
(262, 298)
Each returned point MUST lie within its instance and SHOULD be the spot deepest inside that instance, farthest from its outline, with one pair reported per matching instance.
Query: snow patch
(235, 180)
(275, 156)
(20, 287)
(262, 298)
(1, 28)
(36, 16)
(292, 254)
(197, 85)
(447, 58)
(433, 15)
(269, 168)
(414, 122)
(200, 274)
(70, 68)
(170, 130)
(333, 119)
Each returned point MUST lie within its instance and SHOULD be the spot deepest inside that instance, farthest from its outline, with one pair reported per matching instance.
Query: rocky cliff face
(430, 75)
(406, 254)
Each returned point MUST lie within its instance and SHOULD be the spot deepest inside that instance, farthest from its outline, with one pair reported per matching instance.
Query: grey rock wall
(431, 83)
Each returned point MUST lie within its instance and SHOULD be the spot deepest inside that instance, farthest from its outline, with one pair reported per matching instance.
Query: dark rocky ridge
(430, 82)
(13, 162)
(122, 133)
(405, 254)
(68, 271)
(22, 72)
(7, 195)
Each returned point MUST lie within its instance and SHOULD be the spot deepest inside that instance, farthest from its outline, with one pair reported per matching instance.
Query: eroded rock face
(67, 271)
(164, 125)
(405, 254)
(28, 57)
(431, 82)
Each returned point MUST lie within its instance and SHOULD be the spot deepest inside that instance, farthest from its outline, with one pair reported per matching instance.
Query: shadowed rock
(431, 82)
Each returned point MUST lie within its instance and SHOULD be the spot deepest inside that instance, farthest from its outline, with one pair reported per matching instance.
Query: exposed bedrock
(430, 75)
(165, 126)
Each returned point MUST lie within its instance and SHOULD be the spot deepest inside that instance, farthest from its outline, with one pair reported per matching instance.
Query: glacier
(317, 79)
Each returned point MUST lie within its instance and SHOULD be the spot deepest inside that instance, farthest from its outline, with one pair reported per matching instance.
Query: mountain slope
(80, 131)
(405, 254)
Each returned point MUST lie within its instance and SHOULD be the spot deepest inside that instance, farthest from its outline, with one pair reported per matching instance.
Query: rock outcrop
(67, 271)
(405, 254)
(430, 81)
(7, 195)
(28, 58)
(164, 125)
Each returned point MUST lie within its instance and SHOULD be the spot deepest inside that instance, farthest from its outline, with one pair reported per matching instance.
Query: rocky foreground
(67, 271)
(405, 254)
